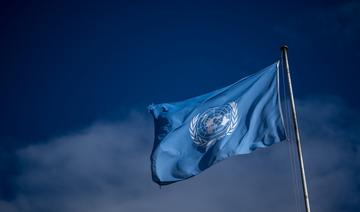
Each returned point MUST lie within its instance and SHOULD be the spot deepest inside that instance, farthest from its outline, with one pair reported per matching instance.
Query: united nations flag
(194, 134)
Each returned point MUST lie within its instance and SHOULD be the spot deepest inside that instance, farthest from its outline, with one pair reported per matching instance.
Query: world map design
(212, 125)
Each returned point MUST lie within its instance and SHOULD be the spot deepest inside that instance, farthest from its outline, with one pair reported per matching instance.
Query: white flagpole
(284, 52)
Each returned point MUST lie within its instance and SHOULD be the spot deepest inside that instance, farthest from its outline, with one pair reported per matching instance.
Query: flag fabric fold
(194, 134)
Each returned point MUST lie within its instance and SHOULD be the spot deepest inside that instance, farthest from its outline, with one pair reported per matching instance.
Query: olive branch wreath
(233, 124)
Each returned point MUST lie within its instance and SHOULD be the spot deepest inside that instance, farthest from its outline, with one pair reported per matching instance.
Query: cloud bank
(106, 167)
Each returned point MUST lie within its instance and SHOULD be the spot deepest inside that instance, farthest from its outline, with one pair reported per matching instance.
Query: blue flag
(194, 134)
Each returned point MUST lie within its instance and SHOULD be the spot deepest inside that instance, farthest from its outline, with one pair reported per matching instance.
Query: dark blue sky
(64, 65)
(67, 64)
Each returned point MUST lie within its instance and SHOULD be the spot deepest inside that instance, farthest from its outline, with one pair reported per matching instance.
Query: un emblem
(214, 124)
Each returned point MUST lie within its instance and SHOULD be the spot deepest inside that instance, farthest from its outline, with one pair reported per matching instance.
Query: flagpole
(284, 52)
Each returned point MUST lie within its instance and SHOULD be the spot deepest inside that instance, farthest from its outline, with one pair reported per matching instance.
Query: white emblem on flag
(214, 124)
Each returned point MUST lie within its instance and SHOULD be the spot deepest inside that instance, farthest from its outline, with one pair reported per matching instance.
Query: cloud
(331, 132)
(106, 168)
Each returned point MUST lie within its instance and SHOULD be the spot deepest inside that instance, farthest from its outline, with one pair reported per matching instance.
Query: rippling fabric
(193, 134)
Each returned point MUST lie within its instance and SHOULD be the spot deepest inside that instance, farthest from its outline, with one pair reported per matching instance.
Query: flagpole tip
(284, 47)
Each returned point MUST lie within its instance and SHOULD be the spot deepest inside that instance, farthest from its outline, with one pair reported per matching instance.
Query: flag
(194, 134)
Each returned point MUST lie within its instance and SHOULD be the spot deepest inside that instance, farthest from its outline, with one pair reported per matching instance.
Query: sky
(76, 78)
